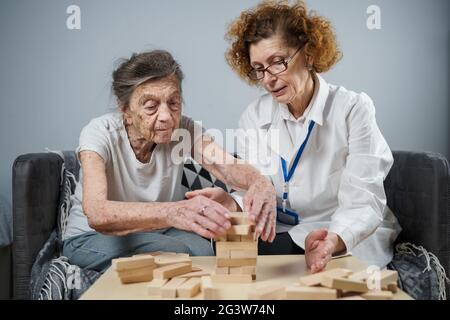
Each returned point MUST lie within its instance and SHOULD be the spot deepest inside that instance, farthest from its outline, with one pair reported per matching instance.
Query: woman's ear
(309, 63)
(126, 115)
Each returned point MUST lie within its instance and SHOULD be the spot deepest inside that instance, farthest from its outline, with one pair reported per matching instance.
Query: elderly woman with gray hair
(128, 199)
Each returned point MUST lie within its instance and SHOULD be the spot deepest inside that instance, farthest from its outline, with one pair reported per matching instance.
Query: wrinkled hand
(261, 204)
(319, 248)
(213, 221)
(216, 194)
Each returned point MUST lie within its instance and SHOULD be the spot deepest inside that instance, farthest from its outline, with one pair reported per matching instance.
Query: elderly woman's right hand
(202, 216)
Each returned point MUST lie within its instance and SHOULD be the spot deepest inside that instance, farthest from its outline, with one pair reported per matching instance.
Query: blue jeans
(93, 250)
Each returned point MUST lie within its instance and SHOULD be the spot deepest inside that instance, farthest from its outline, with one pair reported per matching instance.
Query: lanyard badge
(288, 175)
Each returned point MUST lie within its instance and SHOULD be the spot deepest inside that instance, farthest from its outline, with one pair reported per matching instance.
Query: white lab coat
(338, 183)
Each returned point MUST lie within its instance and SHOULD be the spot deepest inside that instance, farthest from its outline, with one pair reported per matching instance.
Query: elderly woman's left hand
(261, 204)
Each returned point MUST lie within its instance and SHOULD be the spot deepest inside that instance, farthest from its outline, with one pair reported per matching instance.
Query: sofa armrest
(36, 187)
(418, 192)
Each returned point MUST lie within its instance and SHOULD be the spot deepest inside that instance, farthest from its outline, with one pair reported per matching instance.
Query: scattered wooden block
(231, 278)
(136, 278)
(164, 260)
(194, 274)
(344, 284)
(392, 287)
(143, 274)
(189, 288)
(241, 230)
(169, 290)
(377, 295)
(274, 292)
(122, 264)
(209, 291)
(310, 293)
(385, 276)
(171, 271)
(154, 287)
(316, 278)
(355, 297)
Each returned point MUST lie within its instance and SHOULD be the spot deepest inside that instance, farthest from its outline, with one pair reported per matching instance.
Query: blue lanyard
(288, 175)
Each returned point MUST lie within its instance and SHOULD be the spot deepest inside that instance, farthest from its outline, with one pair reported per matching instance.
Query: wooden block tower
(236, 252)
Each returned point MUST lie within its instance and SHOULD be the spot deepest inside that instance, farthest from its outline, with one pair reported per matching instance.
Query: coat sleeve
(361, 195)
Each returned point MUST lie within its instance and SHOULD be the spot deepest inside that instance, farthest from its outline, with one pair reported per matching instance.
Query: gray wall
(53, 80)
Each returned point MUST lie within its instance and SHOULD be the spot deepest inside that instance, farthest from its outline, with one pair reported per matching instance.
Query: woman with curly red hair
(332, 158)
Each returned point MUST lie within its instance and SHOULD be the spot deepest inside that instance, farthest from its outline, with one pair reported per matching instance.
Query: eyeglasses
(275, 68)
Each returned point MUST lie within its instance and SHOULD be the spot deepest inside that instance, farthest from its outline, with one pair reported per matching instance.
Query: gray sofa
(417, 188)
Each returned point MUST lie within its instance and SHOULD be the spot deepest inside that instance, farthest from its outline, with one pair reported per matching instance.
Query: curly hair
(293, 23)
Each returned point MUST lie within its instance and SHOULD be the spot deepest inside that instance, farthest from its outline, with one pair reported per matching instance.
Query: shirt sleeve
(238, 197)
(252, 144)
(361, 195)
(94, 137)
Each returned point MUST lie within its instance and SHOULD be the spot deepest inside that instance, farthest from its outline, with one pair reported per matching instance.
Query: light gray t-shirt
(128, 179)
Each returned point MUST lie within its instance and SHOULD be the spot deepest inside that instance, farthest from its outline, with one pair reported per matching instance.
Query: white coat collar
(271, 117)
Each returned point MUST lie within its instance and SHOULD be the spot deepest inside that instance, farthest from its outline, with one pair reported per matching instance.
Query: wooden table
(274, 269)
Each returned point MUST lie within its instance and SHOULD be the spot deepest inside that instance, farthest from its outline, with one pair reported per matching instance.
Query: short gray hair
(140, 68)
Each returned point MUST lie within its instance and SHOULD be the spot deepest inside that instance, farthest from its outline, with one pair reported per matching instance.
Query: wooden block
(240, 254)
(248, 245)
(392, 287)
(231, 278)
(344, 284)
(233, 270)
(154, 287)
(237, 218)
(136, 275)
(249, 237)
(235, 262)
(136, 272)
(249, 270)
(222, 270)
(164, 260)
(274, 292)
(354, 297)
(359, 276)
(171, 271)
(209, 291)
(169, 290)
(223, 253)
(233, 237)
(190, 288)
(220, 238)
(133, 262)
(196, 268)
(194, 274)
(316, 278)
(377, 295)
(136, 278)
(241, 230)
(386, 277)
(310, 293)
